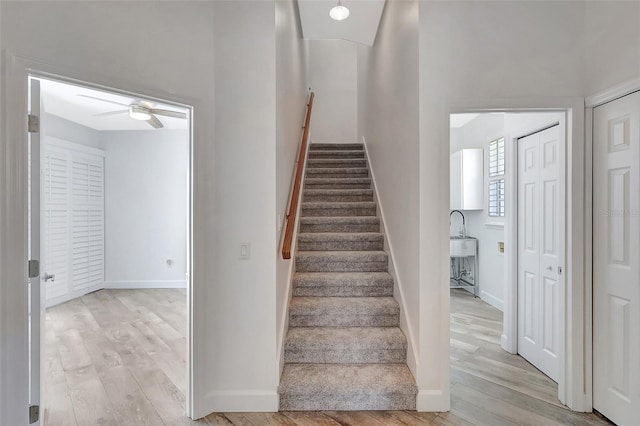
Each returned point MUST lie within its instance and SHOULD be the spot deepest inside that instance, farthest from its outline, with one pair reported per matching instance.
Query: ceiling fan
(140, 110)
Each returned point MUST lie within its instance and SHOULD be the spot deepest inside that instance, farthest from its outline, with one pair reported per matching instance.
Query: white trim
(492, 300)
(573, 389)
(230, 401)
(613, 93)
(146, 284)
(432, 401)
(405, 326)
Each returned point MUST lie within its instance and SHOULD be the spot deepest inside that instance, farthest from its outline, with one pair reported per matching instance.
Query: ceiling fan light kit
(139, 113)
(339, 12)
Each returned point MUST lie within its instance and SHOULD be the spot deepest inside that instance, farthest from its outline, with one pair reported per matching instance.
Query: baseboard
(145, 284)
(433, 401)
(249, 401)
(492, 300)
(412, 356)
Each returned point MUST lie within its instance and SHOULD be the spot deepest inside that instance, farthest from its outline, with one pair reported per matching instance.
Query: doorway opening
(110, 223)
(507, 251)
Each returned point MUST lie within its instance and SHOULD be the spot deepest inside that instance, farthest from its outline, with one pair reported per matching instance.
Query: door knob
(46, 277)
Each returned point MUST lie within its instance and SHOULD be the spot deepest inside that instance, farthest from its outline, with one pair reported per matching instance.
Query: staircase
(344, 349)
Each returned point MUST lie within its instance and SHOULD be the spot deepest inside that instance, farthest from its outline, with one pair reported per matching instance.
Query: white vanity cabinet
(467, 185)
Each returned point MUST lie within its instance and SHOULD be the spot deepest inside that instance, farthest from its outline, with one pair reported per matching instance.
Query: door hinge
(559, 270)
(34, 413)
(34, 268)
(34, 123)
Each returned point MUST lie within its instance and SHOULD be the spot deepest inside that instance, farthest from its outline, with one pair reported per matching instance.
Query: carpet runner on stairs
(344, 349)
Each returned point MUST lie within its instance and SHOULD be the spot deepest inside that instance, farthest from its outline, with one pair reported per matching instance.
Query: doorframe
(574, 387)
(14, 388)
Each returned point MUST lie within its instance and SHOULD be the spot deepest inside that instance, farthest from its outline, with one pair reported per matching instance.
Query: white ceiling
(70, 102)
(361, 26)
(459, 120)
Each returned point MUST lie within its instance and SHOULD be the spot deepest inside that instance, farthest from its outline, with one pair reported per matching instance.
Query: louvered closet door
(87, 224)
(55, 223)
(73, 220)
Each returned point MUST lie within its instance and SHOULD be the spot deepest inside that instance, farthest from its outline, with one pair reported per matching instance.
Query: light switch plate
(245, 250)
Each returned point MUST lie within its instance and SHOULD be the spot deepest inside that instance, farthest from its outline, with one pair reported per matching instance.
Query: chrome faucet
(462, 231)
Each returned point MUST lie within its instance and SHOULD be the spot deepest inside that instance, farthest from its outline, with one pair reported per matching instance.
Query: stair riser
(335, 154)
(341, 266)
(340, 245)
(348, 402)
(344, 320)
(337, 173)
(345, 356)
(334, 291)
(337, 198)
(337, 212)
(338, 185)
(336, 146)
(339, 227)
(328, 163)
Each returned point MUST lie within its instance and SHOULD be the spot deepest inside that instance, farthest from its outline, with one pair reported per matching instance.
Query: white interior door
(36, 293)
(616, 259)
(540, 227)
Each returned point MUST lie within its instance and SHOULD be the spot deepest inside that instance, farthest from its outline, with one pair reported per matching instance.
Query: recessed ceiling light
(339, 12)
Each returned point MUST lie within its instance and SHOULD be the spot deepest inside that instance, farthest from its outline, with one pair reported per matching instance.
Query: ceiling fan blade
(105, 114)
(154, 122)
(168, 113)
(103, 100)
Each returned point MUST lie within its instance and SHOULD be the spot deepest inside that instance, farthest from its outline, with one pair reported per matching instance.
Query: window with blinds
(73, 215)
(496, 170)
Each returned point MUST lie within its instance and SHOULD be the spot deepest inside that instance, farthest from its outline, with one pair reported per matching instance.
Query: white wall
(58, 127)
(332, 75)
(388, 118)
(242, 370)
(291, 99)
(612, 44)
(146, 178)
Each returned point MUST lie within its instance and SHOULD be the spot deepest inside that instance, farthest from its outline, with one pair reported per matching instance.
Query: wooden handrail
(297, 183)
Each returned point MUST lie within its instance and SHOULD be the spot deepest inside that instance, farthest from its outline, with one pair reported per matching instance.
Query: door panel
(539, 231)
(616, 259)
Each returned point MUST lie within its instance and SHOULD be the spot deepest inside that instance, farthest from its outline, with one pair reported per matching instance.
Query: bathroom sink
(462, 246)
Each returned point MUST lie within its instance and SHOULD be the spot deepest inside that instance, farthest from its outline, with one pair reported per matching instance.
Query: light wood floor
(117, 357)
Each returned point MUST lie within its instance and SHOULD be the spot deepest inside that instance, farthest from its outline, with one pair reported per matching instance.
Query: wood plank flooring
(117, 357)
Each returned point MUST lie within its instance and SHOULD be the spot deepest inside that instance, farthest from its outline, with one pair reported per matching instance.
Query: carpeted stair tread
(342, 153)
(336, 162)
(339, 208)
(337, 172)
(338, 195)
(341, 261)
(347, 387)
(336, 146)
(342, 284)
(345, 345)
(340, 241)
(343, 312)
(337, 183)
(339, 224)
